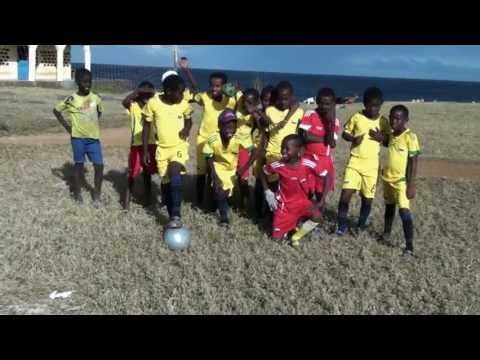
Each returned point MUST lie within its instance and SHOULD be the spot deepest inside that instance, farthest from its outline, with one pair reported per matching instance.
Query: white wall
(8, 62)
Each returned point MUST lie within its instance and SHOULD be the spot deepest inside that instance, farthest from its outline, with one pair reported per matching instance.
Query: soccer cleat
(295, 243)
(307, 227)
(340, 232)
(386, 239)
(175, 223)
(408, 255)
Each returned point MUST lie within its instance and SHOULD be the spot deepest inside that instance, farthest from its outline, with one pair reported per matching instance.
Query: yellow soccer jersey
(400, 148)
(244, 124)
(211, 110)
(276, 136)
(366, 155)
(136, 125)
(83, 112)
(168, 120)
(225, 158)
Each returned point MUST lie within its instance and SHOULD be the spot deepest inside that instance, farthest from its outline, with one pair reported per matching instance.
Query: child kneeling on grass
(399, 176)
(297, 178)
(222, 151)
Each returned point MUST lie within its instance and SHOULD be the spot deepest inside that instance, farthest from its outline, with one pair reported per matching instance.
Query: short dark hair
(146, 84)
(326, 92)
(284, 85)
(267, 90)
(372, 93)
(251, 92)
(81, 73)
(401, 108)
(218, 75)
(173, 82)
(292, 137)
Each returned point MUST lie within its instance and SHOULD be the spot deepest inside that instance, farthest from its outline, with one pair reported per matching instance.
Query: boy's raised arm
(183, 63)
(129, 99)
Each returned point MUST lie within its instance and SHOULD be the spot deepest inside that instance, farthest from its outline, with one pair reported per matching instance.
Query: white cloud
(158, 49)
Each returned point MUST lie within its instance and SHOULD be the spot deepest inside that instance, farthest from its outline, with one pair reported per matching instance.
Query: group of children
(290, 152)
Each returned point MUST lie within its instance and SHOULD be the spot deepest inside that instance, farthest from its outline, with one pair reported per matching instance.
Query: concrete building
(38, 62)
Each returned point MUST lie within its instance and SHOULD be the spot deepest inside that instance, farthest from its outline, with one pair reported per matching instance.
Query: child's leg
(259, 199)
(134, 167)
(94, 153)
(201, 171)
(343, 206)
(243, 158)
(390, 210)
(98, 181)
(77, 176)
(167, 198)
(222, 204)
(365, 210)
(175, 189)
(407, 221)
(147, 181)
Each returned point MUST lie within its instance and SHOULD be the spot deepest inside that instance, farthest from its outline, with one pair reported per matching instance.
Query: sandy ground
(430, 167)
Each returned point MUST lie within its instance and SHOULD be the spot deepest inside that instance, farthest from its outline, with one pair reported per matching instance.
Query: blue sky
(423, 62)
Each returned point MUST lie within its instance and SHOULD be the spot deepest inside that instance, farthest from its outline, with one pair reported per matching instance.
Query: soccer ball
(177, 239)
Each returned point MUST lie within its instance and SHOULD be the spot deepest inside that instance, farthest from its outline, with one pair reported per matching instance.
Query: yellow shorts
(201, 160)
(270, 158)
(396, 193)
(165, 156)
(228, 179)
(366, 182)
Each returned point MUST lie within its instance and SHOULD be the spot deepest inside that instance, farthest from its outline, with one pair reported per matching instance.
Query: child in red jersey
(297, 177)
(319, 129)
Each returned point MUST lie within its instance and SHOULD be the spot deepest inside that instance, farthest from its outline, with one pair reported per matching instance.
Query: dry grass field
(116, 262)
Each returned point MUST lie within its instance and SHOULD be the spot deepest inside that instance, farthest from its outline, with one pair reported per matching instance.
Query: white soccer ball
(177, 239)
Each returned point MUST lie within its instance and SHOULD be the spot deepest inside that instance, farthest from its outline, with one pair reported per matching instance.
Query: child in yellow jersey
(246, 108)
(85, 109)
(282, 119)
(222, 151)
(399, 176)
(171, 116)
(134, 103)
(366, 130)
(213, 103)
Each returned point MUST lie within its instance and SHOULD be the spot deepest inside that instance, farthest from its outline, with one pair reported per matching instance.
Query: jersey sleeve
(188, 111)
(385, 126)
(149, 111)
(198, 98)
(306, 122)
(270, 169)
(349, 126)
(208, 147)
(63, 105)
(413, 145)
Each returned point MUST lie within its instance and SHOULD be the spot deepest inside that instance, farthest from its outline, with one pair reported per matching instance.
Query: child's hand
(271, 200)
(411, 191)
(376, 135)
(184, 133)
(217, 185)
(183, 63)
(146, 159)
(357, 140)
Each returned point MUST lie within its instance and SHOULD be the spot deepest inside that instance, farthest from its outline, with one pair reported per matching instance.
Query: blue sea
(307, 85)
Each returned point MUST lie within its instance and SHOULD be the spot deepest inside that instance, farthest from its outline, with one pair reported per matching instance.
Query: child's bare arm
(145, 136)
(62, 121)
(217, 183)
(309, 138)
(411, 176)
(129, 99)
(183, 63)
(185, 132)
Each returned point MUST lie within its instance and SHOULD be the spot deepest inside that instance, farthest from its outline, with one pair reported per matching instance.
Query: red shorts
(135, 161)
(286, 219)
(243, 157)
(331, 170)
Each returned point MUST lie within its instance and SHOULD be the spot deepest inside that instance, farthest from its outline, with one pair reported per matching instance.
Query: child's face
(398, 120)
(325, 105)
(144, 94)
(250, 102)
(372, 108)
(291, 151)
(284, 99)
(216, 86)
(175, 96)
(228, 130)
(85, 84)
(266, 99)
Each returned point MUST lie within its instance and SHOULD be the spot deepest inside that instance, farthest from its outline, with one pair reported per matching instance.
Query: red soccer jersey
(296, 182)
(313, 124)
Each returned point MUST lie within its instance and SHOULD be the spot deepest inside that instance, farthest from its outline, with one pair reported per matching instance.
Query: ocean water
(306, 86)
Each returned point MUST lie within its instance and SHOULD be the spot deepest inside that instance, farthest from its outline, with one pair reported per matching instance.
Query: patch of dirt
(452, 169)
(427, 167)
(109, 137)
